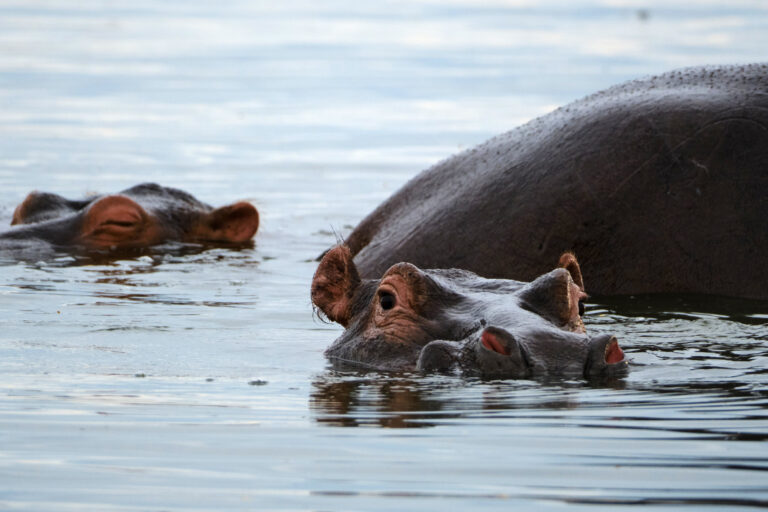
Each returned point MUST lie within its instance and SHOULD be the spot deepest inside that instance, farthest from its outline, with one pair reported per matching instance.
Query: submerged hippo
(660, 184)
(141, 216)
(454, 320)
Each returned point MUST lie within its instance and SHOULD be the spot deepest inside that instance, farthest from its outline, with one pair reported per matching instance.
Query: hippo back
(658, 184)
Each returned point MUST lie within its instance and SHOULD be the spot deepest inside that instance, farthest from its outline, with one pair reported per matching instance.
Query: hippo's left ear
(558, 295)
(569, 263)
(235, 223)
(334, 284)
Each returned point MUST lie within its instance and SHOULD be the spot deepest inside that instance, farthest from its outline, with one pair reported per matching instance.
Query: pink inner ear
(613, 353)
(491, 342)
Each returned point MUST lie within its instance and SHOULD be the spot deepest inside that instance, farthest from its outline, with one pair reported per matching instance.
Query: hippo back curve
(658, 184)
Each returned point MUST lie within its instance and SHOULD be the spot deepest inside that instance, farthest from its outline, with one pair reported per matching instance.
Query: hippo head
(141, 216)
(454, 320)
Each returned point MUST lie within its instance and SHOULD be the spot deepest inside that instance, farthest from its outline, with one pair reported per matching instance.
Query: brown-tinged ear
(334, 284)
(549, 295)
(569, 263)
(22, 210)
(117, 221)
(557, 296)
(41, 206)
(235, 223)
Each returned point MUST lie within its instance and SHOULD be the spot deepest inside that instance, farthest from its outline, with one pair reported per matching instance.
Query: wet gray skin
(660, 183)
(141, 216)
(449, 320)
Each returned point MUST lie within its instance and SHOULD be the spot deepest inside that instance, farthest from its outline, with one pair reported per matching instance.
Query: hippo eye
(387, 300)
(581, 308)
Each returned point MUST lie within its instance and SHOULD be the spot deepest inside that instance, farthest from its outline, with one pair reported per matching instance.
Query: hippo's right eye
(387, 300)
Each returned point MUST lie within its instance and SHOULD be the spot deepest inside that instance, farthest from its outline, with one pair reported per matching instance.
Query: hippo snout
(492, 352)
(498, 354)
(604, 357)
(439, 356)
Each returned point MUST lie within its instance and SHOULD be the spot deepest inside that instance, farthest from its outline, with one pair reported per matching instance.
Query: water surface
(194, 379)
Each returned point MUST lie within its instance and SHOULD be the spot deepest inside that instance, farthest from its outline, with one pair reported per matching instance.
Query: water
(196, 380)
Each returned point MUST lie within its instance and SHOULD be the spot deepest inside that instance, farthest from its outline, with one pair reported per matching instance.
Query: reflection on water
(43, 255)
(394, 401)
(694, 307)
(420, 401)
(367, 402)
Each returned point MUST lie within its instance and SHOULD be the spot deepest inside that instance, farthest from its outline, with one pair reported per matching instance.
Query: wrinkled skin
(659, 184)
(139, 217)
(455, 321)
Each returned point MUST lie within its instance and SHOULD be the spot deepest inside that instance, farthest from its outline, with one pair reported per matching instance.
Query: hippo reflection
(384, 402)
(141, 216)
(454, 320)
(391, 401)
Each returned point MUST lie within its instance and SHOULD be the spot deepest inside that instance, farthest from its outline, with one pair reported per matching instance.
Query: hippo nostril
(491, 342)
(613, 353)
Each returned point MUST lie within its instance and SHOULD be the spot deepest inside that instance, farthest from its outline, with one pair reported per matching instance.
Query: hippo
(141, 216)
(450, 320)
(659, 185)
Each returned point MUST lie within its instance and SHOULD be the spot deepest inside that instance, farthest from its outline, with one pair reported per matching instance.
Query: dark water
(195, 380)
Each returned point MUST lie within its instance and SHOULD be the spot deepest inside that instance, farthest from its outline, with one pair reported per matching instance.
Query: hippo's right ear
(235, 223)
(334, 284)
(568, 262)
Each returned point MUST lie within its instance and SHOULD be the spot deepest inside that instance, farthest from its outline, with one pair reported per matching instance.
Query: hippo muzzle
(605, 358)
(495, 353)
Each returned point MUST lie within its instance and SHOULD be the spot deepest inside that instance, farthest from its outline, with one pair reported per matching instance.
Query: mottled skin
(659, 184)
(453, 320)
(139, 217)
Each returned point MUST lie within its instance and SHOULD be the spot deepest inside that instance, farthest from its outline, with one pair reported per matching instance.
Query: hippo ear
(115, 221)
(236, 223)
(555, 296)
(23, 212)
(334, 284)
(40, 206)
(569, 263)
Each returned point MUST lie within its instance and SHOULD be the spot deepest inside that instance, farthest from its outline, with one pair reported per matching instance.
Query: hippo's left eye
(387, 300)
(581, 307)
